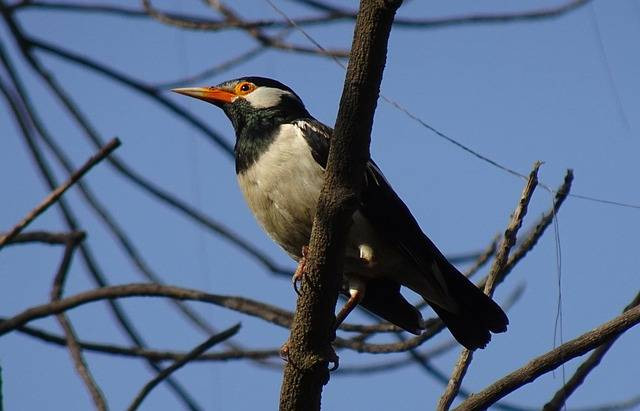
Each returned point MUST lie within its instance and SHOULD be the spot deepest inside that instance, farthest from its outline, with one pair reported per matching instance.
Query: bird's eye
(245, 88)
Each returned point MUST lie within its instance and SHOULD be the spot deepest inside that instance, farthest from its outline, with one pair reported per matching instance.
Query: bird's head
(249, 99)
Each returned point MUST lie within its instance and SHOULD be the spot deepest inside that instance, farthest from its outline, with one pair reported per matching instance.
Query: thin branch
(47, 237)
(152, 355)
(92, 200)
(233, 20)
(629, 404)
(60, 190)
(467, 19)
(27, 43)
(214, 70)
(560, 397)
(331, 14)
(191, 355)
(87, 256)
(531, 239)
(70, 336)
(483, 258)
(551, 360)
(433, 327)
(146, 185)
(425, 354)
(178, 19)
(253, 308)
(266, 312)
(502, 256)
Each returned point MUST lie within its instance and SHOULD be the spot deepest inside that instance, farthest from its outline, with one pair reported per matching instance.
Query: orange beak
(212, 95)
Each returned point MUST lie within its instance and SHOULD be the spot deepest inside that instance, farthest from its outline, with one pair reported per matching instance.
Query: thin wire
(558, 328)
(607, 66)
(441, 134)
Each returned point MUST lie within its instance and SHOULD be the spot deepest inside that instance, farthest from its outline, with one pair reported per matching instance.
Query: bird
(281, 154)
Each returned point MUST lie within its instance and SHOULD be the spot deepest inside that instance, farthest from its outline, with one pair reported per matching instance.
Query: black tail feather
(383, 298)
(477, 315)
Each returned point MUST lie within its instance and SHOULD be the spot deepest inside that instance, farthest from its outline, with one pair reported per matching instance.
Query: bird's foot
(332, 357)
(284, 351)
(298, 274)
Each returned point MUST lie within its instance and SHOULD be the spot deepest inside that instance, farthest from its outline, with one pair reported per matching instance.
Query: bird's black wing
(390, 216)
(383, 296)
(465, 309)
(386, 212)
(469, 314)
(379, 203)
(318, 137)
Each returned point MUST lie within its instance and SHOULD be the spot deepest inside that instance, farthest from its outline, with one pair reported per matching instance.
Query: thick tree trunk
(309, 345)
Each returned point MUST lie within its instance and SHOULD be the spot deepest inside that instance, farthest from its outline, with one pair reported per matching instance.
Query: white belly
(282, 190)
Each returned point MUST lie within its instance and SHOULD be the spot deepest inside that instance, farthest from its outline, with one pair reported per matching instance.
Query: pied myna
(281, 152)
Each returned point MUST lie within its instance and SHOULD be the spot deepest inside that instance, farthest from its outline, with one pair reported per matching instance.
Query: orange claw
(298, 274)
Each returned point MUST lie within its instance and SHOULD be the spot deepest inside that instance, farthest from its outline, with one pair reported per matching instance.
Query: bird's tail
(476, 316)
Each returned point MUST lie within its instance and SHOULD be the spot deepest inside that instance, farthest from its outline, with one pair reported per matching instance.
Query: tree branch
(70, 336)
(560, 397)
(551, 360)
(312, 330)
(191, 355)
(498, 267)
(60, 190)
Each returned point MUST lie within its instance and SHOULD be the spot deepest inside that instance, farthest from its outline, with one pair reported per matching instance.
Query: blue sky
(564, 91)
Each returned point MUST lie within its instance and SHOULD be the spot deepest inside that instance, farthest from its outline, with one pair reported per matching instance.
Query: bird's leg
(297, 275)
(367, 255)
(356, 295)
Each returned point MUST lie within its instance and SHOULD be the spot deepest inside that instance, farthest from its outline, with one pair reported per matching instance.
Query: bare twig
(88, 258)
(551, 360)
(70, 336)
(233, 20)
(59, 191)
(47, 237)
(531, 239)
(196, 352)
(216, 69)
(446, 21)
(92, 200)
(483, 258)
(330, 14)
(257, 309)
(560, 397)
(434, 327)
(153, 355)
(425, 354)
(502, 256)
(121, 167)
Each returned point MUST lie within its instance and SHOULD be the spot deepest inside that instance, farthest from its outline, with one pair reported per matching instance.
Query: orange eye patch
(244, 88)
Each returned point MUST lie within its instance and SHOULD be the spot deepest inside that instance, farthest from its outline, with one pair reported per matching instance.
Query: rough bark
(309, 345)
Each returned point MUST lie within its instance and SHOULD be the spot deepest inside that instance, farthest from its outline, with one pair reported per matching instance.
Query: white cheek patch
(264, 97)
